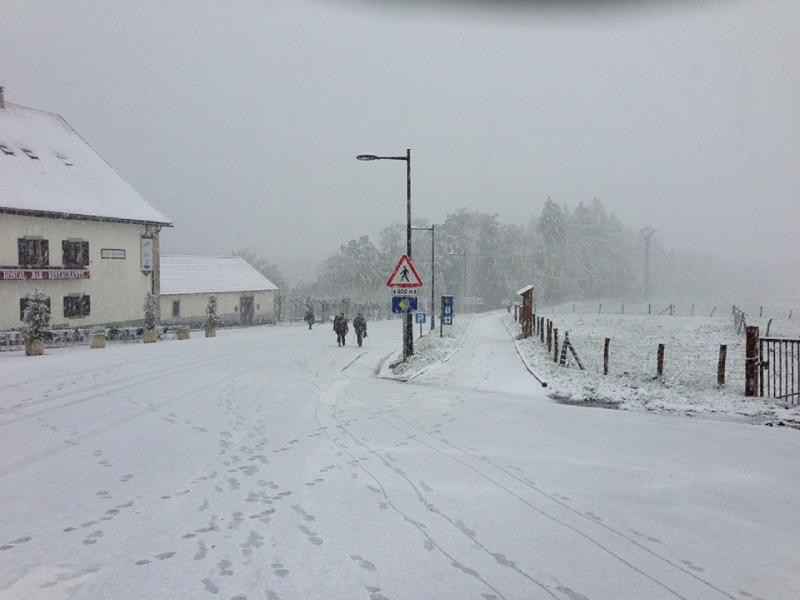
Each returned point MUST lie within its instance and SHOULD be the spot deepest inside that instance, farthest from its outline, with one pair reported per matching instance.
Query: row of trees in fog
(569, 253)
(583, 252)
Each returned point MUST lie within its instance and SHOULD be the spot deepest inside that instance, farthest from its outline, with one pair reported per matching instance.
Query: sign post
(420, 319)
(446, 318)
(405, 281)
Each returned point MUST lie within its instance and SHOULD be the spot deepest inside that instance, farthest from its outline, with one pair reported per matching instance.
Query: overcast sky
(241, 120)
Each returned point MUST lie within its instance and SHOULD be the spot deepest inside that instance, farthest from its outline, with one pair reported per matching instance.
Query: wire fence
(691, 347)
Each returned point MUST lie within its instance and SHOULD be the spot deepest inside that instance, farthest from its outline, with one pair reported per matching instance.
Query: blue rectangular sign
(404, 304)
(419, 318)
(447, 310)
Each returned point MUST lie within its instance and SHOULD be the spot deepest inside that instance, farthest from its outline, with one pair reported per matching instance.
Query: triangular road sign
(404, 275)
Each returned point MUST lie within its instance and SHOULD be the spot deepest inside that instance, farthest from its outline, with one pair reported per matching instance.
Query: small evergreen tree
(36, 317)
(211, 313)
(150, 311)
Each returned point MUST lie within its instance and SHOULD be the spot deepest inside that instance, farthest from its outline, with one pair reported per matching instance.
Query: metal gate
(780, 369)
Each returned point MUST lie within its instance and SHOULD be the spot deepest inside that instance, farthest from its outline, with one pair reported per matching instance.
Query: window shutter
(86, 306)
(45, 246)
(85, 254)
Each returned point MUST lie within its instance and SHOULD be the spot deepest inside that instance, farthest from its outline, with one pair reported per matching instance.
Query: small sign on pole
(447, 313)
(420, 320)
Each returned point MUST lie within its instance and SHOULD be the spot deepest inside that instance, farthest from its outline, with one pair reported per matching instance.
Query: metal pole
(433, 277)
(408, 330)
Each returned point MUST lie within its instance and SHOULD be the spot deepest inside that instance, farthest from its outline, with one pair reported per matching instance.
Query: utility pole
(647, 234)
(432, 229)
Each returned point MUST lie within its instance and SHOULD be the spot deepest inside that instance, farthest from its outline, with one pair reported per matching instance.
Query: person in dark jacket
(341, 327)
(360, 326)
(309, 318)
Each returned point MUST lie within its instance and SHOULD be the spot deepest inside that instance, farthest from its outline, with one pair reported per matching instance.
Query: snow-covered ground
(268, 463)
(430, 350)
(689, 384)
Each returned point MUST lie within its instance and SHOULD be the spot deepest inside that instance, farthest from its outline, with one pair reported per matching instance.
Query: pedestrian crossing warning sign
(404, 275)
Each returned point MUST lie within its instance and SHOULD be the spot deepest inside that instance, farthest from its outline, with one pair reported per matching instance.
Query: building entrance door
(246, 310)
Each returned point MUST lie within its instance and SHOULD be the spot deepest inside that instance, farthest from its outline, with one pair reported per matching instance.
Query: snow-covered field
(689, 384)
(267, 463)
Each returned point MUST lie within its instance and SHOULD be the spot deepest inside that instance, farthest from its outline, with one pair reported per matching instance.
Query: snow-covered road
(268, 463)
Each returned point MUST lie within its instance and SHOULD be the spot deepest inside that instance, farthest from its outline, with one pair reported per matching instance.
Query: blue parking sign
(419, 318)
(404, 304)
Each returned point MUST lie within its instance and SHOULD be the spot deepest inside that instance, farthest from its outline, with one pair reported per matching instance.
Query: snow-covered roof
(46, 167)
(527, 288)
(210, 274)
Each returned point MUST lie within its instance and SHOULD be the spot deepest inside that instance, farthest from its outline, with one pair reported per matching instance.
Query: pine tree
(36, 317)
(150, 311)
(211, 314)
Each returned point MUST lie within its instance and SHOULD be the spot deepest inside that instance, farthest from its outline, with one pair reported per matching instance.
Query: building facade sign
(42, 274)
(147, 255)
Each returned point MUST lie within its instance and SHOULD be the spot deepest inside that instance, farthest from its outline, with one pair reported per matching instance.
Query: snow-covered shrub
(36, 317)
(150, 311)
(212, 321)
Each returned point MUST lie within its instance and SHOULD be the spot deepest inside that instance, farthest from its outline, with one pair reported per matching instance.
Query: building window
(33, 252)
(112, 253)
(176, 308)
(75, 253)
(23, 304)
(76, 306)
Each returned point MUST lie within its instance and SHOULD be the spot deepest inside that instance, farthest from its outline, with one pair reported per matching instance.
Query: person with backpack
(360, 326)
(340, 327)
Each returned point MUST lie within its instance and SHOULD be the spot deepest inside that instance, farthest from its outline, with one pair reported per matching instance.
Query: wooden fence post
(671, 307)
(660, 365)
(549, 335)
(573, 308)
(623, 309)
(691, 315)
(605, 356)
(541, 330)
(751, 361)
(713, 310)
(600, 309)
(564, 347)
(760, 311)
(648, 309)
(723, 352)
(555, 344)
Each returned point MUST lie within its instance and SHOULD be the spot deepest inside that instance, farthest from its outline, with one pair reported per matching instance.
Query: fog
(241, 121)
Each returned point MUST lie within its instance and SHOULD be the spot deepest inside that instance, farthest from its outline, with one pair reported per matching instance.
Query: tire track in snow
(418, 526)
(26, 461)
(552, 498)
(138, 380)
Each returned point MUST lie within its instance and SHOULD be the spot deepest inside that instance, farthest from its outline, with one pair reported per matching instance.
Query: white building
(70, 226)
(244, 296)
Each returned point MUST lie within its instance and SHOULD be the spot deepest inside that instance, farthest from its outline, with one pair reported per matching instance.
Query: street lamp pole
(432, 229)
(408, 326)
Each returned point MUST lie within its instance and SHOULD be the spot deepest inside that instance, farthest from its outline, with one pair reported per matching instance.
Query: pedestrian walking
(309, 318)
(360, 326)
(340, 327)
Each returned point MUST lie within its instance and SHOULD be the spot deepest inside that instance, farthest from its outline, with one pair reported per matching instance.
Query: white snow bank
(429, 351)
